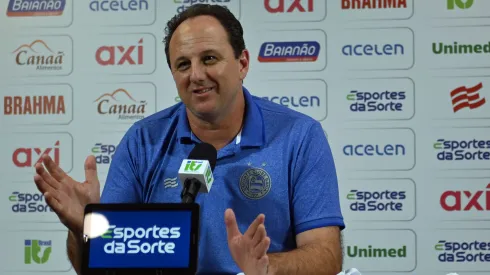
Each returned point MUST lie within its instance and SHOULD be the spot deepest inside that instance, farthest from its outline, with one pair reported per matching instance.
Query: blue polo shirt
(280, 165)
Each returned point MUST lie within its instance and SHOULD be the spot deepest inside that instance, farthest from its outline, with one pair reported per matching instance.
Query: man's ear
(244, 60)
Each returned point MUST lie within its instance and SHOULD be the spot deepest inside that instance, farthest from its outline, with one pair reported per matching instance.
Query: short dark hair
(222, 14)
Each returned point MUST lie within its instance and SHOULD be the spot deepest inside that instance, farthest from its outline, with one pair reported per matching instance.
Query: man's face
(205, 70)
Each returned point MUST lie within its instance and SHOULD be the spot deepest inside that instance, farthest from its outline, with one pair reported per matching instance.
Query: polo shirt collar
(251, 135)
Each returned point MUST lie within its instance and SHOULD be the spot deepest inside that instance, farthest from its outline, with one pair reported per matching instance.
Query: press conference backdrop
(401, 88)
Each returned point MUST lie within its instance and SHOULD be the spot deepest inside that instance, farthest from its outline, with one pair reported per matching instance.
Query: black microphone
(196, 172)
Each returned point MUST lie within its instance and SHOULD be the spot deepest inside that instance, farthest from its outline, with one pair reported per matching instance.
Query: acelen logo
(29, 157)
(28, 8)
(121, 104)
(39, 55)
(120, 55)
(299, 51)
(118, 6)
(373, 50)
(373, 4)
(463, 97)
(383, 150)
(33, 105)
(457, 150)
(289, 6)
(386, 101)
(465, 200)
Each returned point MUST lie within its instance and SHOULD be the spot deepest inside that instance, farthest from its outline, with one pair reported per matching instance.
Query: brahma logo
(466, 200)
(128, 240)
(300, 51)
(383, 201)
(28, 8)
(387, 101)
(39, 55)
(458, 150)
(121, 104)
(374, 4)
(463, 97)
(28, 203)
(34, 105)
(463, 252)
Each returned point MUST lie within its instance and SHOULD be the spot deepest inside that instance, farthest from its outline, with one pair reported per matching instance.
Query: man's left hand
(250, 249)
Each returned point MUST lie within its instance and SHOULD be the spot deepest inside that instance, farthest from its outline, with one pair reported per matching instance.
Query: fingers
(263, 263)
(231, 225)
(47, 177)
(260, 234)
(91, 170)
(53, 168)
(261, 249)
(42, 185)
(253, 227)
(53, 202)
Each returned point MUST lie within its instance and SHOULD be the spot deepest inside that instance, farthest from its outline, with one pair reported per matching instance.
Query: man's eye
(182, 65)
(209, 59)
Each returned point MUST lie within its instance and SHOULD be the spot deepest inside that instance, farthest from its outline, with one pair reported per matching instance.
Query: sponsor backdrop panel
(401, 88)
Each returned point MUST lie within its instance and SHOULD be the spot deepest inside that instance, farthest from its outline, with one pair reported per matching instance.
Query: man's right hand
(66, 196)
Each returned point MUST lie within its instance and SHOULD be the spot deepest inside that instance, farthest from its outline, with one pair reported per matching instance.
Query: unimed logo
(456, 48)
(460, 4)
(373, 4)
(40, 55)
(37, 251)
(29, 157)
(34, 105)
(284, 6)
(120, 55)
(463, 251)
(459, 150)
(466, 200)
(129, 240)
(355, 251)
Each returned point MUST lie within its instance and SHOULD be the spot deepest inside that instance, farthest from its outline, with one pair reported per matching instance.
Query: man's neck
(221, 131)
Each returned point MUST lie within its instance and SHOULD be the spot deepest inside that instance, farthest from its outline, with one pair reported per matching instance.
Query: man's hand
(248, 250)
(66, 196)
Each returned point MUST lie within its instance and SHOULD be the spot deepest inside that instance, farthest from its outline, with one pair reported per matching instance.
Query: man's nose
(198, 72)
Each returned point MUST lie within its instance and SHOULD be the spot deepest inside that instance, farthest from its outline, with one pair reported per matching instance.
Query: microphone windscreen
(204, 151)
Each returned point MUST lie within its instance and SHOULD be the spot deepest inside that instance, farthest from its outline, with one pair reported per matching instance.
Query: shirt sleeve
(122, 184)
(315, 196)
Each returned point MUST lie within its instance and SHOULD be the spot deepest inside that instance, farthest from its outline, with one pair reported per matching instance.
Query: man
(274, 167)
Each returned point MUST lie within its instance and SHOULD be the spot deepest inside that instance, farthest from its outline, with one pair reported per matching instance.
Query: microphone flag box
(198, 169)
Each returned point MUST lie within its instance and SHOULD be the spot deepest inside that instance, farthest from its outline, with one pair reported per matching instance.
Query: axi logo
(462, 149)
(383, 201)
(30, 8)
(296, 5)
(120, 103)
(354, 251)
(373, 4)
(109, 56)
(462, 4)
(28, 157)
(33, 253)
(463, 97)
(387, 101)
(193, 165)
(103, 152)
(374, 150)
(128, 240)
(466, 200)
(300, 51)
(34, 105)
(38, 54)
(122, 5)
(28, 203)
(462, 252)
(373, 50)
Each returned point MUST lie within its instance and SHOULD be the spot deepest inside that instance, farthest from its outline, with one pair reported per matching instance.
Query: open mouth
(203, 91)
